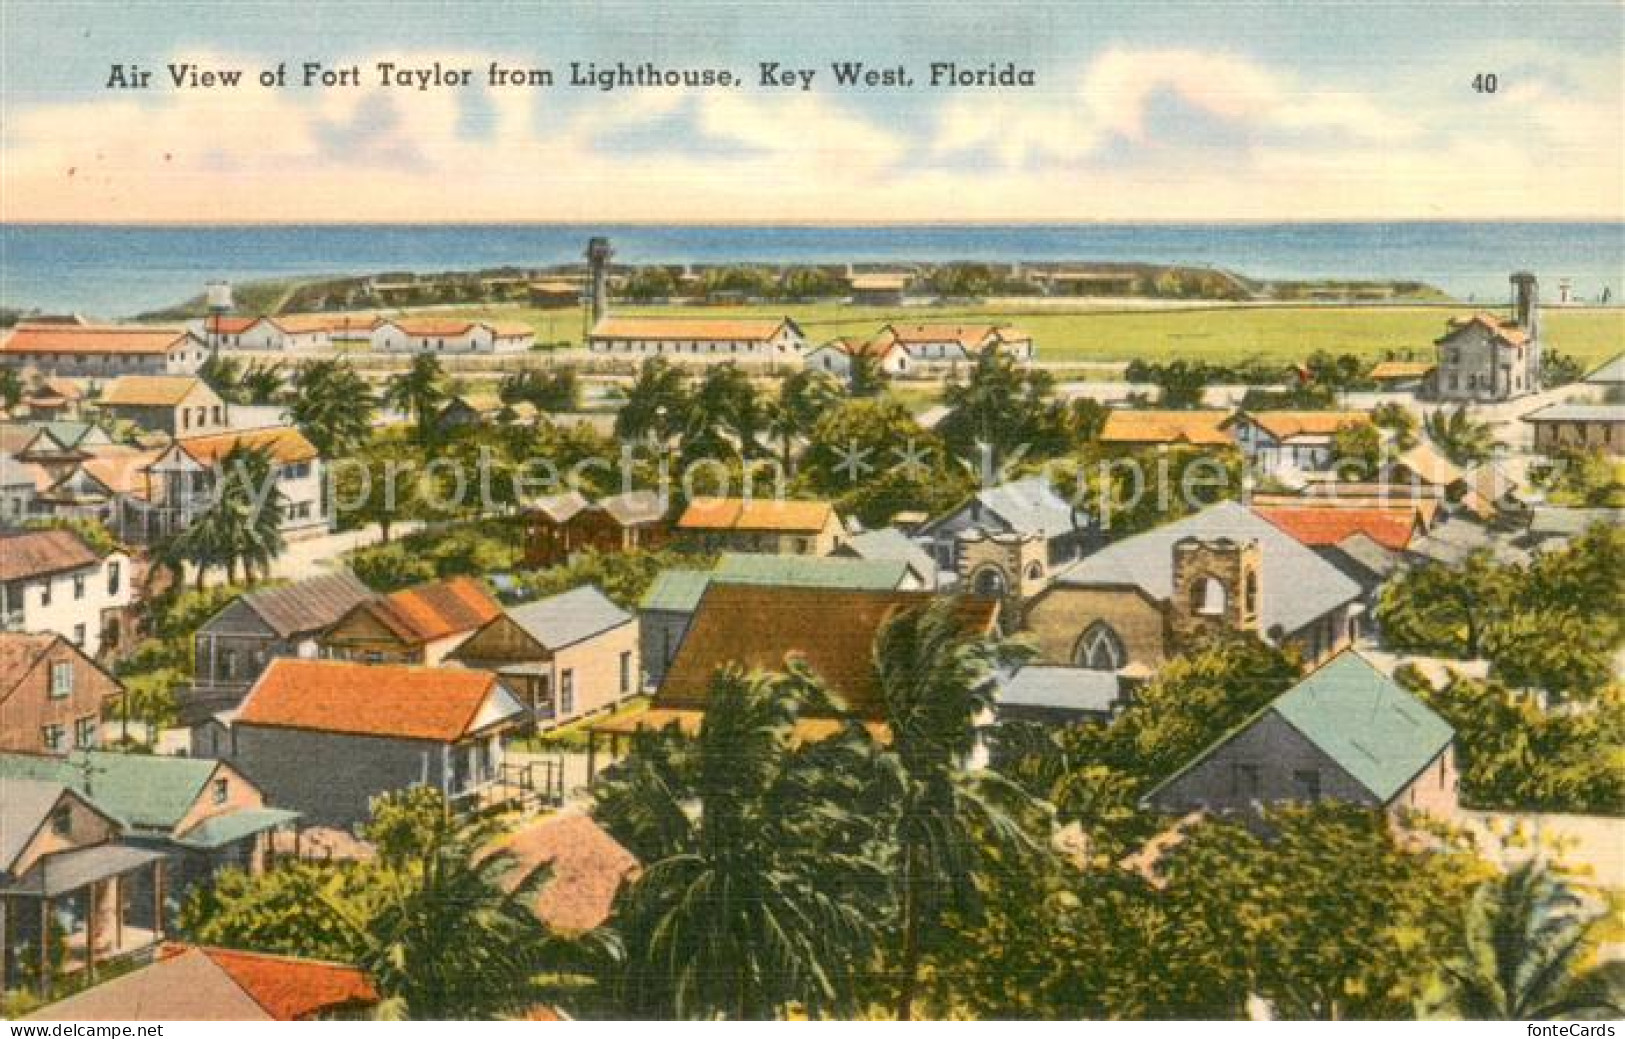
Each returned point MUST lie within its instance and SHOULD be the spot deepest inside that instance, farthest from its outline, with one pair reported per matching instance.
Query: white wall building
(184, 477)
(700, 339)
(50, 580)
(445, 335)
(286, 333)
(103, 351)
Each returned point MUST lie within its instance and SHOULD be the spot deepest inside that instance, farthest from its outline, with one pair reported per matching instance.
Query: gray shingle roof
(565, 619)
(1578, 413)
(1029, 506)
(1296, 586)
(1611, 372)
(891, 543)
(1455, 540)
(22, 812)
(1060, 688)
(635, 507)
(309, 605)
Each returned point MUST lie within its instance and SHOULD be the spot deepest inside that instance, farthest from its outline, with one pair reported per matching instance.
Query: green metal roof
(679, 591)
(146, 791)
(1380, 734)
(68, 434)
(1372, 728)
(676, 590)
(219, 830)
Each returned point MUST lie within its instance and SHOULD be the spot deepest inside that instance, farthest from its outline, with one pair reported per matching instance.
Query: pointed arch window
(1101, 649)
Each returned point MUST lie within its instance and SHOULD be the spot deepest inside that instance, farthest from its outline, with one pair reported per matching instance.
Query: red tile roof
(588, 868)
(414, 703)
(434, 611)
(92, 339)
(1323, 527)
(763, 627)
(35, 553)
(289, 988)
(230, 324)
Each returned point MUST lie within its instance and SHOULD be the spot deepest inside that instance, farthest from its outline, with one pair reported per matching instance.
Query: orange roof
(1401, 369)
(1326, 526)
(285, 443)
(230, 324)
(64, 389)
(588, 865)
(388, 700)
(1125, 426)
(756, 514)
(1283, 425)
(434, 611)
(289, 988)
(428, 326)
(140, 391)
(971, 337)
(765, 626)
(1429, 463)
(92, 339)
(688, 329)
(296, 324)
(122, 472)
(1505, 330)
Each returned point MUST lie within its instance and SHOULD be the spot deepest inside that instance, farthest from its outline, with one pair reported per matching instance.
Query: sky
(1178, 110)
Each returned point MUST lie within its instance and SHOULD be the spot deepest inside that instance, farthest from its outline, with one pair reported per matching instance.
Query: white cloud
(1548, 145)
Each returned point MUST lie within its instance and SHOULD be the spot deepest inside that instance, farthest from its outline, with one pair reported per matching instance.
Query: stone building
(1130, 606)
(1486, 358)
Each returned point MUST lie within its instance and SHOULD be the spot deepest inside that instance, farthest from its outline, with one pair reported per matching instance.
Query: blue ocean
(118, 271)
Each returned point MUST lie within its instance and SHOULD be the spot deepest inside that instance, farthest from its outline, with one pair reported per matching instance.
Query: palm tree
(451, 930)
(261, 383)
(419, 392)
(936, 681)
(1523, 942)
(243, 521)
(803, 399)
(332, 406)
(725, 400)
(755, 908)
(224, 375)
(1462, 439)
(657, 404)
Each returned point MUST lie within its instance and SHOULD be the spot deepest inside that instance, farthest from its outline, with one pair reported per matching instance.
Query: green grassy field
(1225, 334)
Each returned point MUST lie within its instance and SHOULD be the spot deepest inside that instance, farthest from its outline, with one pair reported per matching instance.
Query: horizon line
(831, 223)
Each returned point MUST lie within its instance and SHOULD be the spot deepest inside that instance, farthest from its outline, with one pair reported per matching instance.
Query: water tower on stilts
(217, 296)
(598, 255)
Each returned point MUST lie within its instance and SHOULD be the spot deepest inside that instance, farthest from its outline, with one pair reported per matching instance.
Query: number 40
(1485, 83)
